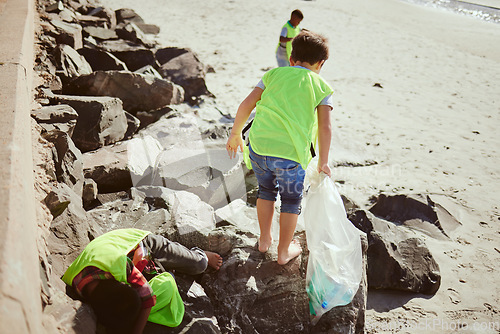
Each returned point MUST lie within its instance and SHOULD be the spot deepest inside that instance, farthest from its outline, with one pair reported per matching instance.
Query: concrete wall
(20, 303)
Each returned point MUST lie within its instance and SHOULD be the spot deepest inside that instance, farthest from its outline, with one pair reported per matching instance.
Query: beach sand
(432, 126)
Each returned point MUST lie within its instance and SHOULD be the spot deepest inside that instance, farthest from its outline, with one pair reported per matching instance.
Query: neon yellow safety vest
(107, 252)
(291, 33)
(286, 122)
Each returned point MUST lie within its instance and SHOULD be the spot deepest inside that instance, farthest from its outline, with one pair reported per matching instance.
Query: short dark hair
(116, 305)
(309, 47)
(298, 13)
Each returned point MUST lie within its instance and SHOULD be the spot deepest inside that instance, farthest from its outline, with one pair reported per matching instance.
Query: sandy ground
(431, 128)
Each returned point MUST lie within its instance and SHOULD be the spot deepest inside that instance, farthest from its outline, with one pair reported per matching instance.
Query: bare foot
(214, 260)
(264, 244)
(293, 251)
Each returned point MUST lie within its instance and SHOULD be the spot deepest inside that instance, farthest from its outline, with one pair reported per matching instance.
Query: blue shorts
(279, 175)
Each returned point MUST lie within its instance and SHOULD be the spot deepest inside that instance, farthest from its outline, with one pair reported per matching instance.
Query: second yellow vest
(285, 122)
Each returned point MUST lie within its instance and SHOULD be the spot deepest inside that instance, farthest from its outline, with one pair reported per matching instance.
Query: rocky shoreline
(126, 134)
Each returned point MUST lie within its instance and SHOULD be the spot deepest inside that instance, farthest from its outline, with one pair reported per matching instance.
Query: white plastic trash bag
(335, 260)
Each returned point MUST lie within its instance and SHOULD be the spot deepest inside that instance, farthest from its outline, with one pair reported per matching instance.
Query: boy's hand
(233, 143)
(323, 167)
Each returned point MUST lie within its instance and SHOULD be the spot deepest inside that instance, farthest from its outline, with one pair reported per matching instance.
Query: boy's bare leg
(288, 249)
(214, 260)
(265, 211)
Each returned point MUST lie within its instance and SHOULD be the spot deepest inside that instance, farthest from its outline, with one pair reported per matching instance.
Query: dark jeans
(169, 255)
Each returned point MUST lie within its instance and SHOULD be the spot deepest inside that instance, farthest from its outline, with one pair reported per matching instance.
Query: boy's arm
(324, 138)
(242, 115)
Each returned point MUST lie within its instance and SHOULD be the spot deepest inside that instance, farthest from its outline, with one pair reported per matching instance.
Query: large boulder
(60, 117)
(209, 174)
(137, 91)
(397, 258)
(185, 69)
(251, 293)
(189, 220)
(101, 120)
(119, 167)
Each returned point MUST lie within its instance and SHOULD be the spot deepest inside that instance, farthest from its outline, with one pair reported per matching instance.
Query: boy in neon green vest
(293, 107)
(110, 274)
(288, 32)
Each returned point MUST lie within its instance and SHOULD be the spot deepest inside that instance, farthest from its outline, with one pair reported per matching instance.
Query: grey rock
(68, 160)
(70, 63)
(118, 167)
(137, 91)
(101, 33)
(133, 125)
(60, 117)
(121, 213)
(101, 60)
(131, 32)
(108, 167)
(55, 7)
(419, 211)
(72, 316)
(150, 29)
(397, 258)
(209, 174)
(187, 71)
(101, 120)
(191, 220)
(133, 54)
(68, 33)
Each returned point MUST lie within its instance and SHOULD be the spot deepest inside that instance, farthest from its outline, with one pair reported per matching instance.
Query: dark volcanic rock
(137, 91)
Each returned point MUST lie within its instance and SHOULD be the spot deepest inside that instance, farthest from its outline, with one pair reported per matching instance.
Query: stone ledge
(20, 302)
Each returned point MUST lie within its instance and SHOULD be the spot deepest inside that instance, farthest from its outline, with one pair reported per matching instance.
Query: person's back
(285, 122)
(289, 101)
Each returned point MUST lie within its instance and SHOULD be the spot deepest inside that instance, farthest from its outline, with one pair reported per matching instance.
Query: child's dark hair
(309, 47)
(298, 14)
(116, 305)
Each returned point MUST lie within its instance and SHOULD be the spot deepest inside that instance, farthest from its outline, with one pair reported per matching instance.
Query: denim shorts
(279, 175)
